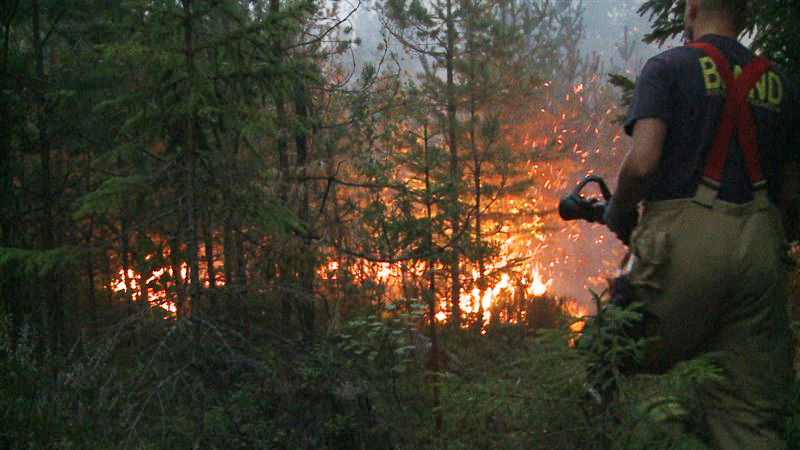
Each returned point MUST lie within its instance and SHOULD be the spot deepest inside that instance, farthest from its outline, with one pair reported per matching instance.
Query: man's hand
(621, 220)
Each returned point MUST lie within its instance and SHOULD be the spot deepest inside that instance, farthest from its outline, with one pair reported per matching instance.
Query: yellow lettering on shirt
(774, 89)
(760, 88)
(710, 75)
(768, 88)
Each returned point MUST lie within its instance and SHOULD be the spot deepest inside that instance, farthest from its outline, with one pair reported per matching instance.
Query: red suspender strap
(736, 114)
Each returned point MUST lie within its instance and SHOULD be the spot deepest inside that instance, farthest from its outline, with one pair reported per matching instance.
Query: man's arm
(639, 165)
(641, 162)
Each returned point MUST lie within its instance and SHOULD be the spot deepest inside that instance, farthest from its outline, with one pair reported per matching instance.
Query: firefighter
(714, 160)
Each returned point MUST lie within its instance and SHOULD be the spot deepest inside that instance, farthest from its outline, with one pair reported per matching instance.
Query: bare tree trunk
(228, 252)
(241, 267)
(144, 291)
(306, 304)
(108, 274)
(89, 252)
(208, 238)
(287, 298)
(431, 293)
(478, 226)
(52, 308)
(191, 126)
(9, 284)
(230, 263)
(280, 113)
(6, 186)
(339, 231)
(455, 173)
(175, 261)
(90, 278)
(125, 260)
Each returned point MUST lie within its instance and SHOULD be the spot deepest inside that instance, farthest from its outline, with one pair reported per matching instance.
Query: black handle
(575, 206)
(593, 179)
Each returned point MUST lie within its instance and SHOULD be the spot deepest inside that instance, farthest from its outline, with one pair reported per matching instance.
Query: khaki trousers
(713, 274)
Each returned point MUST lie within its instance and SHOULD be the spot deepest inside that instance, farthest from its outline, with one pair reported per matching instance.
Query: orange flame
(157, 295)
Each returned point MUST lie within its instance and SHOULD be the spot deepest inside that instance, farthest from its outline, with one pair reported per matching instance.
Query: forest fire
(156, 298)
(537, 257)
(476, 302)
(332, 224)
(159, 286)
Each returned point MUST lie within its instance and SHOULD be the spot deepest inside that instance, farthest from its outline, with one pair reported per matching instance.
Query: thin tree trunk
(52, 301)
(455, 174)
(144, 292)
(287, 298)
(208, 224)
(345, 260)
(9, 285)
(280, 113)
(306, 304)
(90, 278)
(89, 253)
(6, 186)
(108, 274)
(208, 238)
(478, 225)
(431, 293)
(126, 269)
(241, 267)
(191, 147)
(191, 127)
(228, 252)
(230, 264)
(177, 276)
(125, 260)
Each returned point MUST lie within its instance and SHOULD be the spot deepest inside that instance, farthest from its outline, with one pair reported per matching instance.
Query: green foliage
(793, 421)
(38, 263)
(627, 86)
(156, 135)
(516, 394)
(610, 346)
(161, 383)
(272, 217)
(21, 380)
(369, 339)
(666, 17)
(110, 196)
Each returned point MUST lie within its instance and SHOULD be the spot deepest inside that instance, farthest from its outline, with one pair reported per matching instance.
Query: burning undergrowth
(513, 252)
(512, 249)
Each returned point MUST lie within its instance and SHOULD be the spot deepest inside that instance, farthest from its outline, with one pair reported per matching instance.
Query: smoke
(606, 23)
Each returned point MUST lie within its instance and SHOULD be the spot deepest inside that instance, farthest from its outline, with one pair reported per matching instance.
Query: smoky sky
(606, 23)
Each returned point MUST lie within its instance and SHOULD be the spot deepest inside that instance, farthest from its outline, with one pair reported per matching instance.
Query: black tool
(575, 206)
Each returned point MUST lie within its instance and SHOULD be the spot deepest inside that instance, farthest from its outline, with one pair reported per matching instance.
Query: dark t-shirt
(676, 87)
